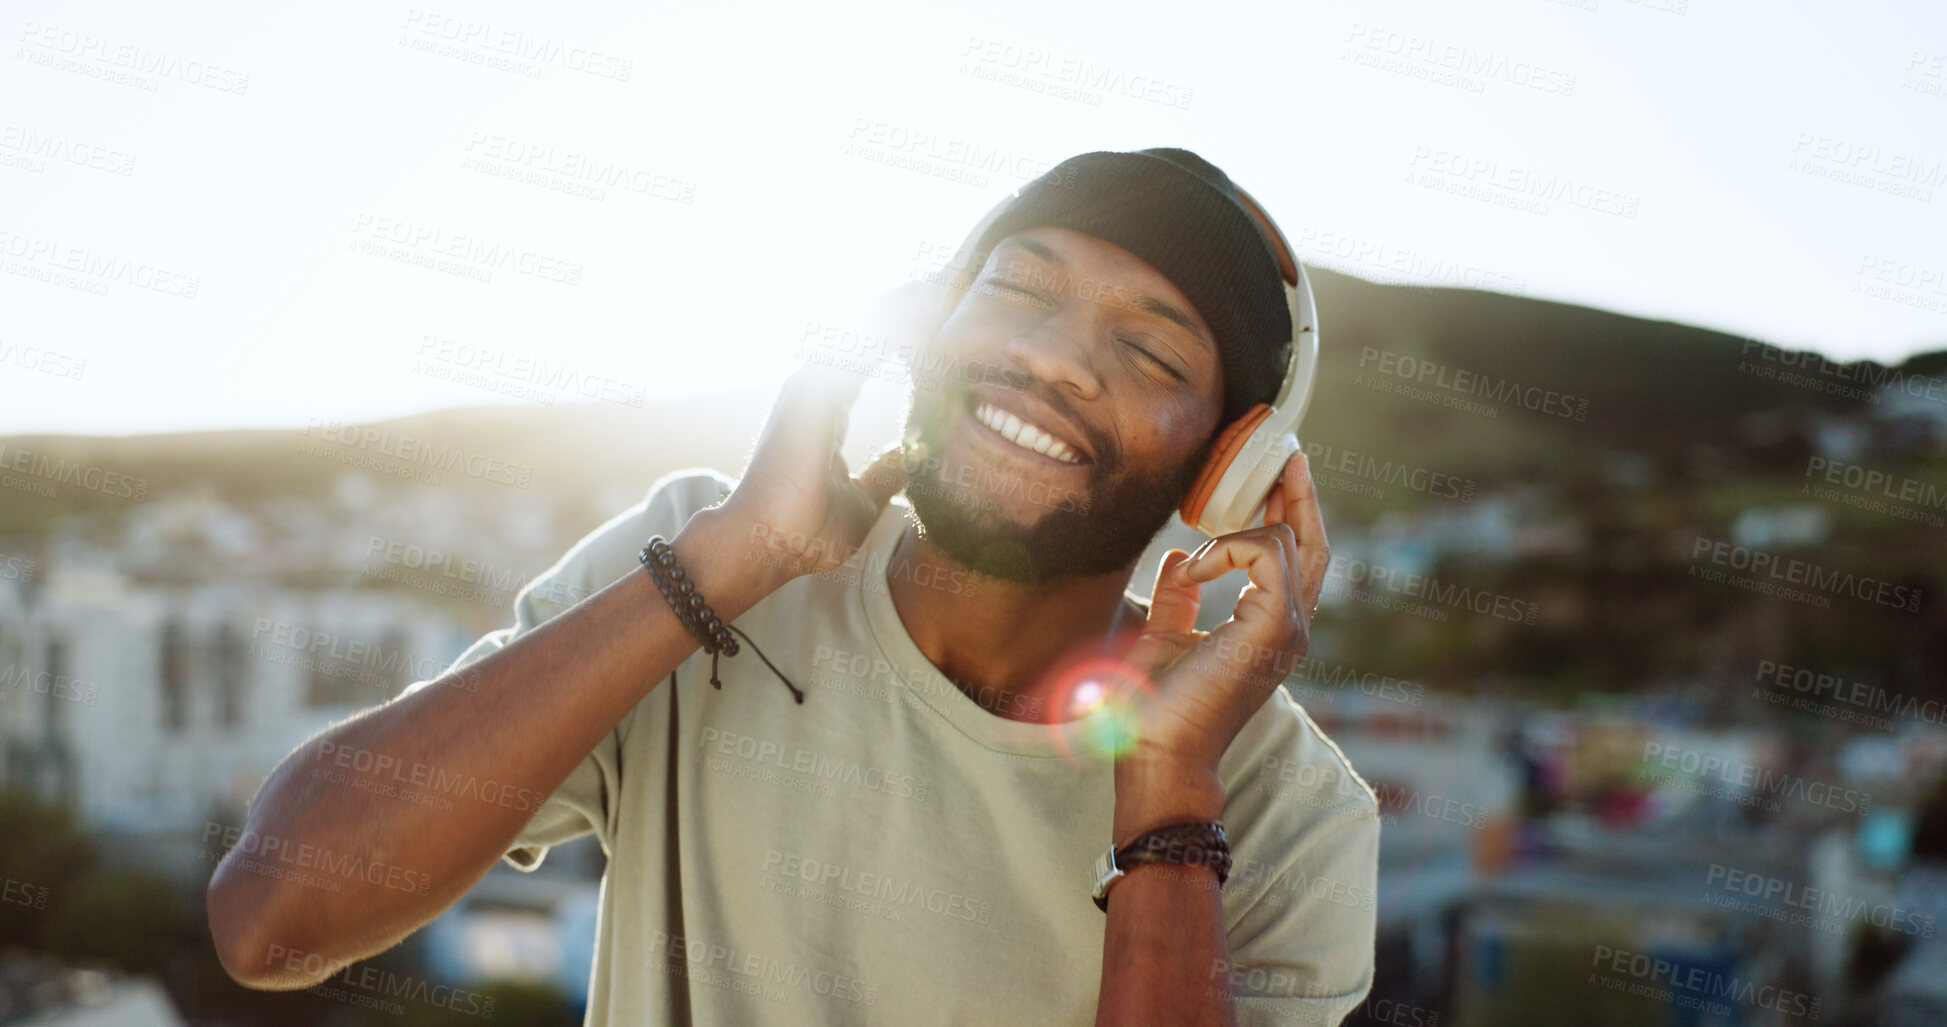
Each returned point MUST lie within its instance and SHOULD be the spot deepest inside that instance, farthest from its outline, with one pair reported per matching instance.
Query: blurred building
(147, 710)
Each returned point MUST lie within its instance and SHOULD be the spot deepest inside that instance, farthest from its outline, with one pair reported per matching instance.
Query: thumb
(883, 477)
(1155, 650)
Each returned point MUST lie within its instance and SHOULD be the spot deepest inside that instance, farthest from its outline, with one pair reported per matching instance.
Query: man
(984, 710)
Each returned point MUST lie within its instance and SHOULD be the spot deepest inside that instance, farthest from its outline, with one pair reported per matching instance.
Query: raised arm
(523, 716)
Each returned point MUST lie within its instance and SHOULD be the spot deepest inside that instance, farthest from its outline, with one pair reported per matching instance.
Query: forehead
(1092, 265)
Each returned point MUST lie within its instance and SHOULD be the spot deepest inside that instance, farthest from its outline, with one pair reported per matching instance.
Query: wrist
(1152, 792)
(727, 571)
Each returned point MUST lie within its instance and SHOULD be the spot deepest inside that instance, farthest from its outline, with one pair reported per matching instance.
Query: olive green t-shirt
(890, 851)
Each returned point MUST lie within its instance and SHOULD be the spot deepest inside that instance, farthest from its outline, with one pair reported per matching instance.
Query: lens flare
(1099, 693)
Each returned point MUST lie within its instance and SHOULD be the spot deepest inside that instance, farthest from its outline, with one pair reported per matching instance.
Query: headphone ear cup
(1223, 453)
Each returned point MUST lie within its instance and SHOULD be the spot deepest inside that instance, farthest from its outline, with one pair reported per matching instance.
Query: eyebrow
(1143, 302)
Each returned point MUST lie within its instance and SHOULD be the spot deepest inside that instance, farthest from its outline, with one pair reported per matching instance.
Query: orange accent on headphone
(1228, 445)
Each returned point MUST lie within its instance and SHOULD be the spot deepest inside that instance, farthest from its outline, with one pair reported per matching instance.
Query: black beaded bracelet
(695, 615)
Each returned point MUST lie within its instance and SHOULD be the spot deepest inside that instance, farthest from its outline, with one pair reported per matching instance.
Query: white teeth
(1025, 435)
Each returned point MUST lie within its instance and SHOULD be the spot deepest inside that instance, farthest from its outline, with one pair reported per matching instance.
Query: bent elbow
(242, 929)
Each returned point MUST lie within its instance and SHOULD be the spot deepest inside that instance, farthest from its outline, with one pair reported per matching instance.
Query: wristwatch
(1196, 843)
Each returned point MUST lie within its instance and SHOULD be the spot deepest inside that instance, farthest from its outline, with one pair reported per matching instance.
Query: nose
(1056, 351)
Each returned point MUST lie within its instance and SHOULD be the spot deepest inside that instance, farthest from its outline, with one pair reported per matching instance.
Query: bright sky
(227, 215)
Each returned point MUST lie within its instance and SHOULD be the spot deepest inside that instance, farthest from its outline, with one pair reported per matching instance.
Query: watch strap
(1197, 843)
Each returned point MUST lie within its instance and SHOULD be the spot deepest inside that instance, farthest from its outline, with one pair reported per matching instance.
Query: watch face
(1105, 872)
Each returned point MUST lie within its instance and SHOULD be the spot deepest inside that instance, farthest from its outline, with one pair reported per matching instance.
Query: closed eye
(1159, 361)
(996, 284)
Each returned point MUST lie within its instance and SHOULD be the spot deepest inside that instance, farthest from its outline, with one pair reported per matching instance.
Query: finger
(807, 424)
(908, 314)
(1308, 526)
(1253, 550)
(1265, 608)
(883, 477)
(1173, 601)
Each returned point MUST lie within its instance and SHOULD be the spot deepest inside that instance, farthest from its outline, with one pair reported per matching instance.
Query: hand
(1206, 685)
(797, 505)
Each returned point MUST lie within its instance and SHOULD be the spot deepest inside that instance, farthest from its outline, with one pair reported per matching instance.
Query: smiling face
(1079, 390)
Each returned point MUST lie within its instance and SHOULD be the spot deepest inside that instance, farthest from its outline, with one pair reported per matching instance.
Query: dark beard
(1081, 536)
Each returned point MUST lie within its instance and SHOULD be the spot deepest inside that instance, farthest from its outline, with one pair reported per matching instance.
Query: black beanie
(1181, 214)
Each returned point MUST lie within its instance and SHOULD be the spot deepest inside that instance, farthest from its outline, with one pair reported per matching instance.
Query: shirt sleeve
(585, 802)
(1302, 952)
